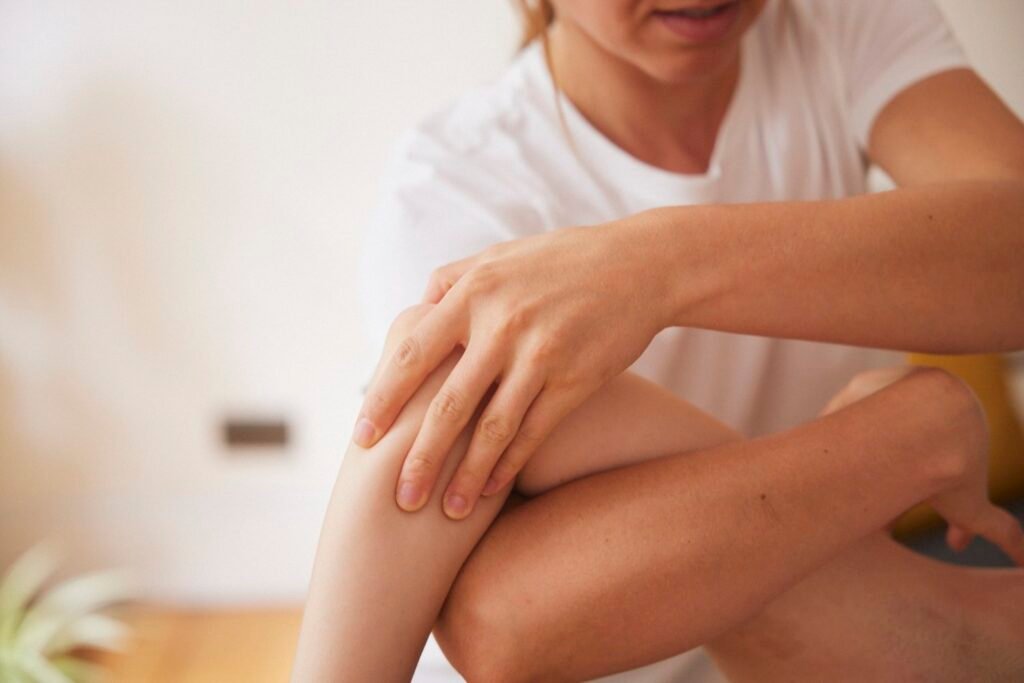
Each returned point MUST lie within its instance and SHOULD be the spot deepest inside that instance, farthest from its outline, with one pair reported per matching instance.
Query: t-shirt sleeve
(436, 205)
(885, 46)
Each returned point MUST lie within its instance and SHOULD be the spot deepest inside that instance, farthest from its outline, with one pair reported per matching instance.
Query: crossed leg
(880, 612)
(729, 545)
(616, 569)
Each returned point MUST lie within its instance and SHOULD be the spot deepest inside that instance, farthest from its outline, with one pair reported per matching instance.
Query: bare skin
(879, 612)
(381, 576)
(874, 612)
(372, 603)
(533, 311)
(956, 153)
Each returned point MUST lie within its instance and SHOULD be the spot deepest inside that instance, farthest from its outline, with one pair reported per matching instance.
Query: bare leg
(624, 568)
(880, 612)
(883, 613)
(381, 574)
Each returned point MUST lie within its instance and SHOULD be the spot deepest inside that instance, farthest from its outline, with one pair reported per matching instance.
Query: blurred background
(182, 190)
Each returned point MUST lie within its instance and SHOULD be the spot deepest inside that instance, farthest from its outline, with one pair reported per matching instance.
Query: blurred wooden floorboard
(215, 646)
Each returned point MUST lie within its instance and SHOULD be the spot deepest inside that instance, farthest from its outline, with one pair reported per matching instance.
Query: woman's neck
(669, 125)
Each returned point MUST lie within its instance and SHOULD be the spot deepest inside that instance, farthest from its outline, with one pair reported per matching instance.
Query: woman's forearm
(628, 567)
(932, 268)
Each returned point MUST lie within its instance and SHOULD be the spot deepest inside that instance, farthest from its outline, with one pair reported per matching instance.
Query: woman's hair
(537, 15)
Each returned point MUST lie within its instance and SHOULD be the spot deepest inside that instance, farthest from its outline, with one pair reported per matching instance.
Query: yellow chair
(987, 376)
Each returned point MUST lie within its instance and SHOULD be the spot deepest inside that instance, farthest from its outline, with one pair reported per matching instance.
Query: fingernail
(455, 505)
(492, 486)
(364, 433)
(408, 496)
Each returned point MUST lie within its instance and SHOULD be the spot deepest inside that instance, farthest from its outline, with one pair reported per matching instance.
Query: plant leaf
(10, 671)
(77, 670)
(97, 631)
(42, 671)
(21, 582)
(65, 603)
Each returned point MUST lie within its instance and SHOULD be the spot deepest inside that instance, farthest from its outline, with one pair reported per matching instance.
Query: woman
(717, 152)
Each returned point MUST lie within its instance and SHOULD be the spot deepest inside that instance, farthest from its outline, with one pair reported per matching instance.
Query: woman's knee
(477, 632)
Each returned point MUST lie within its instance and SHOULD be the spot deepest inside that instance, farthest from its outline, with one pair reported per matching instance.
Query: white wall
(990, 31)
(182, 186)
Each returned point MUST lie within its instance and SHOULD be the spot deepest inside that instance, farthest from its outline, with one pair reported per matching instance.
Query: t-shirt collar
(616, 164)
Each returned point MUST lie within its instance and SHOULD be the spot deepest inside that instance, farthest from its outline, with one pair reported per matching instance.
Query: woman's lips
(697, 26)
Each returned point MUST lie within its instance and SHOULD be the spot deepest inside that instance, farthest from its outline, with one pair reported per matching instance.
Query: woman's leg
(880, 612)
(381, 574)
(876, 612)
(624, 568)
(629, 420)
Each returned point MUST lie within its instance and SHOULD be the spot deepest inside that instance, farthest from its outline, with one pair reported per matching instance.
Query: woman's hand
(964, 504)
(548, 319)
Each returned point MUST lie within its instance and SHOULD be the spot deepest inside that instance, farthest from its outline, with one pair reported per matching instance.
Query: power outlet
(255, 435)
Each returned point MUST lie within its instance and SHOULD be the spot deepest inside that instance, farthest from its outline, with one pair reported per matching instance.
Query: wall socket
(255, 435)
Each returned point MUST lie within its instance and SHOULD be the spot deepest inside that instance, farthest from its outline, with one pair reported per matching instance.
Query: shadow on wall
(32, 302)
(99, 352)
(155, 275)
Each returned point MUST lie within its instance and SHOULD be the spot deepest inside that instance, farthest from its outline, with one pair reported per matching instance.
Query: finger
(494, 431)
(544, 414)
(415, 357)
(445, 277)
(447, 416)
(1004, 530)
(403, 323)
(958, 538)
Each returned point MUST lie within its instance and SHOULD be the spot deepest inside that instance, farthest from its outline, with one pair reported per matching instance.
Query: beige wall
(990, 31)
(182, 186)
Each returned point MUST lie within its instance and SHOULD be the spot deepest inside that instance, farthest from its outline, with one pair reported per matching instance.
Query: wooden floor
(207, 646)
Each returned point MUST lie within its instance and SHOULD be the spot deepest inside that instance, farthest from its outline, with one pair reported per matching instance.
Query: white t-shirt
(496, 165)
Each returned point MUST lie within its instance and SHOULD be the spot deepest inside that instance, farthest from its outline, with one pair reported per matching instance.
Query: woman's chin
(679, 69)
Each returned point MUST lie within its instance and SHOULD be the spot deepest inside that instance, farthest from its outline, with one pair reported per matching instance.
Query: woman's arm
(933, 266)
(934, 269)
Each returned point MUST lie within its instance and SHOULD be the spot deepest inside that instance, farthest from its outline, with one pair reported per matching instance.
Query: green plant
(43, 628)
